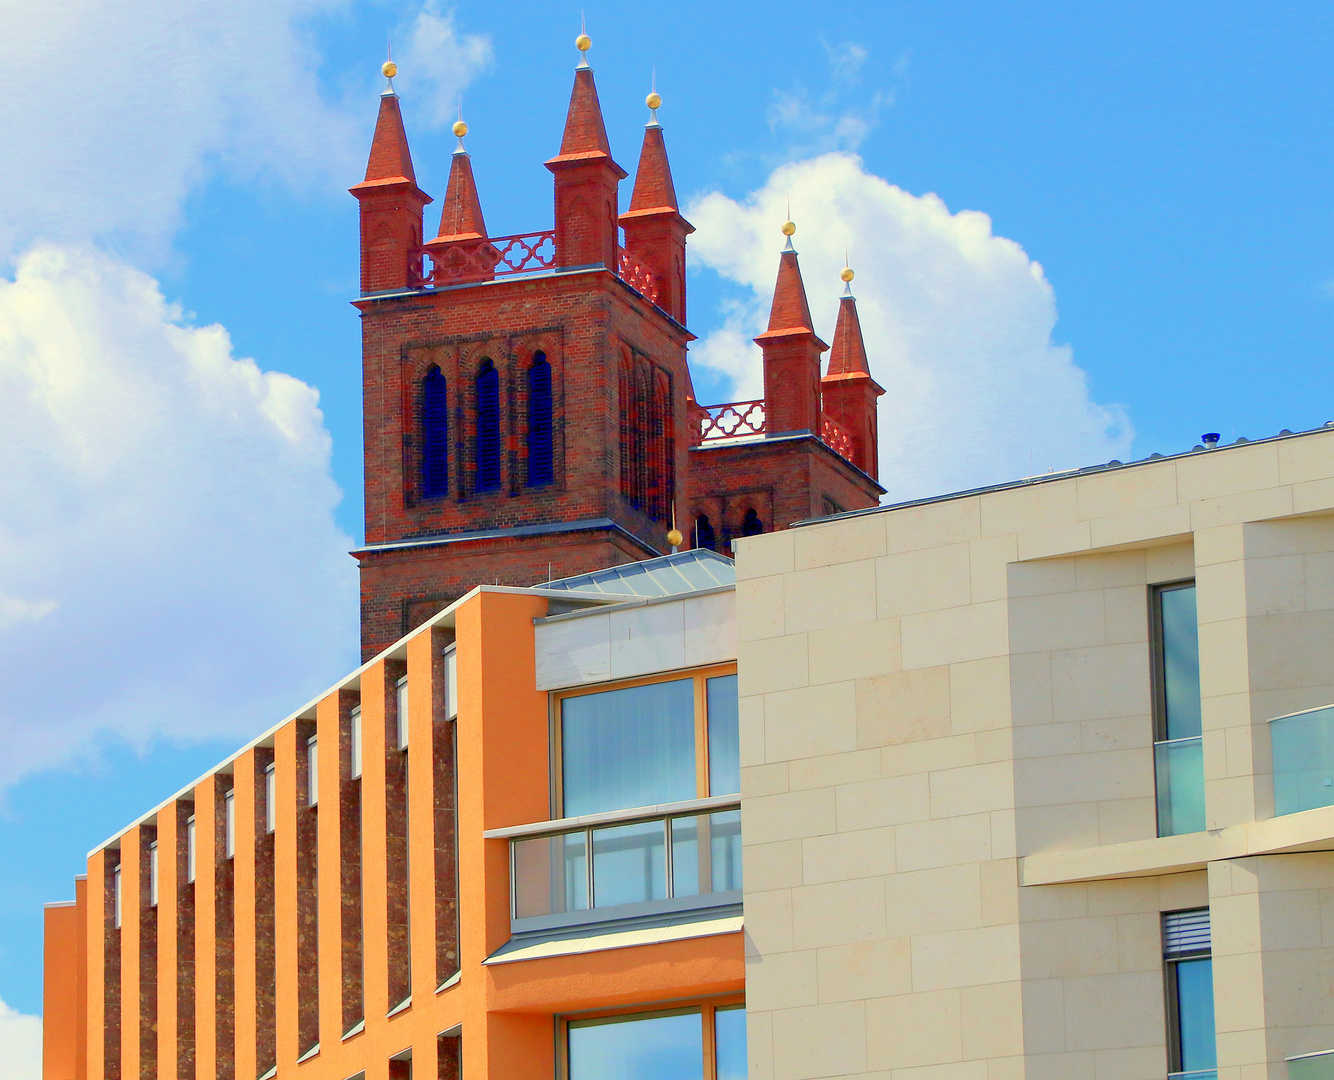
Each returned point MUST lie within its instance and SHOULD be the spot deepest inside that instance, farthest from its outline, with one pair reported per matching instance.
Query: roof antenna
(460, 129)
(583, 43)
(653, 100)
(389, 69)
(674, 536)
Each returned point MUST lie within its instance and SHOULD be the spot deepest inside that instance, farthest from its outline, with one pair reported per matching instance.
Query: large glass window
(1189, 974)
(1178, 749)
(659, 1046)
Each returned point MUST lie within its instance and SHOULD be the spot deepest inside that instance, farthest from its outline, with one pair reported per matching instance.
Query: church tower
(528, 408)
(523, 395)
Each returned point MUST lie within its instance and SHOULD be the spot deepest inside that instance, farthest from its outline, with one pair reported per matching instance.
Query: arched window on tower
(541, 456)
(434, 435)
(487, 446)
(705, 537)
(751, 525)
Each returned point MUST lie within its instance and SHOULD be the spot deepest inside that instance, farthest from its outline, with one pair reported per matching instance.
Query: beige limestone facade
(952, 797)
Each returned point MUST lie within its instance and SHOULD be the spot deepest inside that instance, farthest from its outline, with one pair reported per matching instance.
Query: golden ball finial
(789, 228)
(460, 129)
(674, 537)
(654, 100)
(847, 274)
(388, 69)
(583, 43)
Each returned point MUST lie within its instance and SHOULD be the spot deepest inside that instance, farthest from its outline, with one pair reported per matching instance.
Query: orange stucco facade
(186, 987)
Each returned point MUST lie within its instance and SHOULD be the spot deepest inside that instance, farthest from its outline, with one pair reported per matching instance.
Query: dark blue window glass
(705, 536)
(751, 525)
(435, 435)
(724, 736)
(1195, 1014)
(1181, 662)
(488, 427)
(541, 464)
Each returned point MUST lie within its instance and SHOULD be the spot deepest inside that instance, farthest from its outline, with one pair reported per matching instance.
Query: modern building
(1036, 779)
(509, 844)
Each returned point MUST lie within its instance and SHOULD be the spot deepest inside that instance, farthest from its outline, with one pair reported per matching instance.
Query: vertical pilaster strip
(329, 892)
(224, 923)
(350, 862)
(207, 809)
(184, 989)
(83, 980)
(374, 846)
(285, 910)
(103, 970)
(307, 896)
(170, 840)
(423, 694)
(248, 823)
(131, 992)
(266, 1056)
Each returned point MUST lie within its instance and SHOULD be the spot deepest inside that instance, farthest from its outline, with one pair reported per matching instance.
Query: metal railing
(1303, 746)
(648, 860)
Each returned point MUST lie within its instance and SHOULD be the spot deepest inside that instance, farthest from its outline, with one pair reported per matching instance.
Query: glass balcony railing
(654, 860)
(1303, 746)
(1179, 771)
(1197, 1074)
(1319, 1066)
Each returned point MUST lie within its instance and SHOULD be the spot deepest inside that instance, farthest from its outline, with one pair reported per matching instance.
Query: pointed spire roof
(461, 214)
(585, 137)
(790, 314)
(390, 158)
(848, 356)
(654, 189)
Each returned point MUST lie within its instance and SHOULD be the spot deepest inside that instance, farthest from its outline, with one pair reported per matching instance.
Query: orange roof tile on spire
(790, 314)
(654, 189)
(461, 214)
(585, 134)
(390, 158)
(848, 356)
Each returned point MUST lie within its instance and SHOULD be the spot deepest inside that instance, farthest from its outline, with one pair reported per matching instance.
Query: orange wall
(508, 1010)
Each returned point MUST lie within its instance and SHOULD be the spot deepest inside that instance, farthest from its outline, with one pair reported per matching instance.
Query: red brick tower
(522, 398)
(761, 465)
(848, 391)
(528, 408)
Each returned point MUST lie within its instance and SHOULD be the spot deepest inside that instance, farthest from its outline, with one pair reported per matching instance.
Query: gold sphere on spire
(789, 228)
(847, 274)
(583, 43)
(654, 100)
(460, 129)
(388, 69)
(675, 538)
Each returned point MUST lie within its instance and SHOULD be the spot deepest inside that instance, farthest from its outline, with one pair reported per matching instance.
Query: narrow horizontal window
(152, 874)
(401, 711)
(270, 798)
(190, 850)
(313, 771)
(229, 824)
(354, 723)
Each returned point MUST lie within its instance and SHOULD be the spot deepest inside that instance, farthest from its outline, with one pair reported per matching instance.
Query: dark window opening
(705, 537)
(541, 466)
(435, 435)
(751, 525)
(488, 427)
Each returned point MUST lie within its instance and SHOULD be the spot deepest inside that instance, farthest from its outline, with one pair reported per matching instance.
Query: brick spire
(655, 231)
(791, 352)
(391, 203)
(848, 392)
(461, 214)
(586, 179)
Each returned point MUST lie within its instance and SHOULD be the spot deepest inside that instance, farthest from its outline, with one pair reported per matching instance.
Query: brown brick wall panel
(351, 919)
(307, 898)
(265, 943)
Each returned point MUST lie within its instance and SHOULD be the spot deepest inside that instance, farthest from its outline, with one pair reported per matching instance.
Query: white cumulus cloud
(20, 1045)
(440, 61)
(958, 324)
(169, 561)
(110, 113)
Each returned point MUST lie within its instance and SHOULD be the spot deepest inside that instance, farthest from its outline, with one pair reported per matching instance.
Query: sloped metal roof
(669, 575)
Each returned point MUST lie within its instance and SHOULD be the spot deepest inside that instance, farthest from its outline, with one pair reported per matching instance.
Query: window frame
(191, 830)
(700, 675)
(229, 823)
(1158, 654)
(1171, 995)
(706, 1007)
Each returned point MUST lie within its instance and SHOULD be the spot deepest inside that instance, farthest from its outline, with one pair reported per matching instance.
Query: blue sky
(1156, 260)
